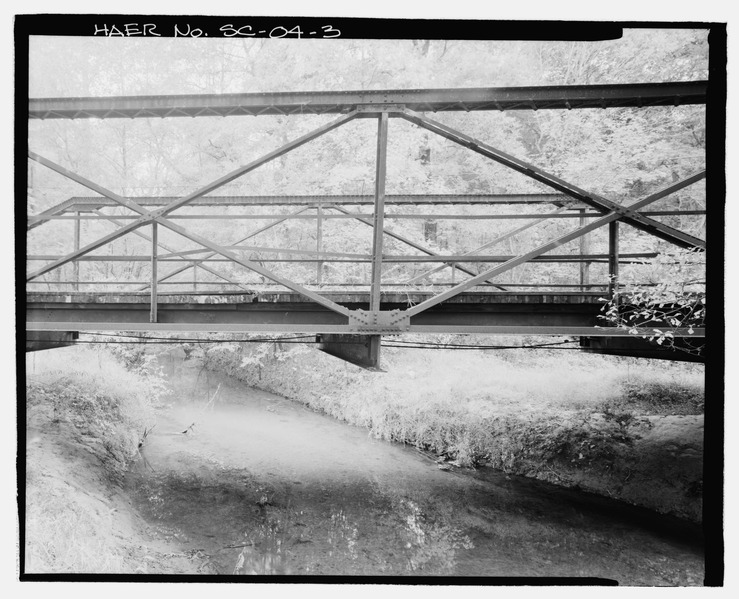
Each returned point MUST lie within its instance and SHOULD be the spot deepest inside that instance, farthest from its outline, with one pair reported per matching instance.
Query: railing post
(612, 259)
(76, 269)
(584, 249)
(319, 243)
(154, 236)
(379, 212)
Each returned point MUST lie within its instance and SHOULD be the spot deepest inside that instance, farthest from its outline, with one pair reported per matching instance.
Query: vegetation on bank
(616, 426)
(571, 418)
(87, 412)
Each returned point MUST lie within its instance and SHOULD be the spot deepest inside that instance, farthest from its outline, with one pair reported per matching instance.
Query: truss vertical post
(195, 277)
(319, 243)
(612, 258)
(379, 212)
(154, 236)
(584, 249)
(77, 223)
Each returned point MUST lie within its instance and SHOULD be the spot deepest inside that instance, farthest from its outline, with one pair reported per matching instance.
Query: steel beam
(491, 243)
(477, 312)
(628, 214)
(154, 245)
(164, 246)
(149, 216)
(82, 203)
(542, 249)
(260, 248)
(319, 243)
(342, 296)
(299, 103)
(156, 217)
(613, 258)
(76, 246)
(357, 258)
(406, 241)
(584, 249)
(388, 215)
(319, 299)
(209, 255)
(379, 212)
(566, 331)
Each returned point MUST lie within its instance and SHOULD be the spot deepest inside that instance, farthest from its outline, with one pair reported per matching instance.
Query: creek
(260, 484)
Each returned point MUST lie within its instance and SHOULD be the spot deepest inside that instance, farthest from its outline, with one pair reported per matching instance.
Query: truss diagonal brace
(319, 299)
(493, 242)
(542, 249)
(150, 216)
(406, 241)
(199, 261)
(628, 215)
(169, 249)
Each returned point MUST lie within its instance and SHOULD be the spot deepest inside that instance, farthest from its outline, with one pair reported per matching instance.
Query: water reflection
(431, 544)
(261, 552)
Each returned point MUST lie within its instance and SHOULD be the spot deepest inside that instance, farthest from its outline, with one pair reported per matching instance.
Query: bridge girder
(405, 104)
(567, 97)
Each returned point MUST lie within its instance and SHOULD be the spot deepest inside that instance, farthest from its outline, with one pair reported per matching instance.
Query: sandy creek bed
(262, 485)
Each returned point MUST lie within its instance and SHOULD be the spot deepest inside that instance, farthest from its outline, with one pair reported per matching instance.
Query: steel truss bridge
(349, 318)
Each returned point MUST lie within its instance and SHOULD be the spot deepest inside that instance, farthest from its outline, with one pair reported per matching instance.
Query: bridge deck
(408, 298)
(483, 312)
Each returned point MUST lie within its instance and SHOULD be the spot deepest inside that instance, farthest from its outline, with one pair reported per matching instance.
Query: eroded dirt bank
(79, 519)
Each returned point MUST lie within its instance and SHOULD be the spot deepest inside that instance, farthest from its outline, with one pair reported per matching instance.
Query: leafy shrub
(674, 298)
(663, 397)
(109, 406)
(146, 367)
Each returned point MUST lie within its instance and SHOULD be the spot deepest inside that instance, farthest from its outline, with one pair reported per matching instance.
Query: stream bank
(260, 484)
(625, 428)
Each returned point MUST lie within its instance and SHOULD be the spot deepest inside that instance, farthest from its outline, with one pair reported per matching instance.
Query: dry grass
(98, 370)
(85, 414)
(65, 533)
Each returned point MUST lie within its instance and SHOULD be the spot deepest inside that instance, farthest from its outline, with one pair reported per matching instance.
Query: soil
(227, 498)
(654, 462)
(68, 485)
(261, 485)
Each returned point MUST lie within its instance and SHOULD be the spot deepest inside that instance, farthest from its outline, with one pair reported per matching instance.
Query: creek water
(262, 485)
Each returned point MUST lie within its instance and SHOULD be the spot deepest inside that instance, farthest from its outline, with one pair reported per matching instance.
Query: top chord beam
(326, 102)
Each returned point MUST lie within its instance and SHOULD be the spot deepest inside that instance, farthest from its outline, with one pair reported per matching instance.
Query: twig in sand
(146, 434)
(553, 472)
(212, 399)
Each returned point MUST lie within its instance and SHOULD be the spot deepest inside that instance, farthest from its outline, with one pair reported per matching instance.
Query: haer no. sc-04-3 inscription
(227, 30)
